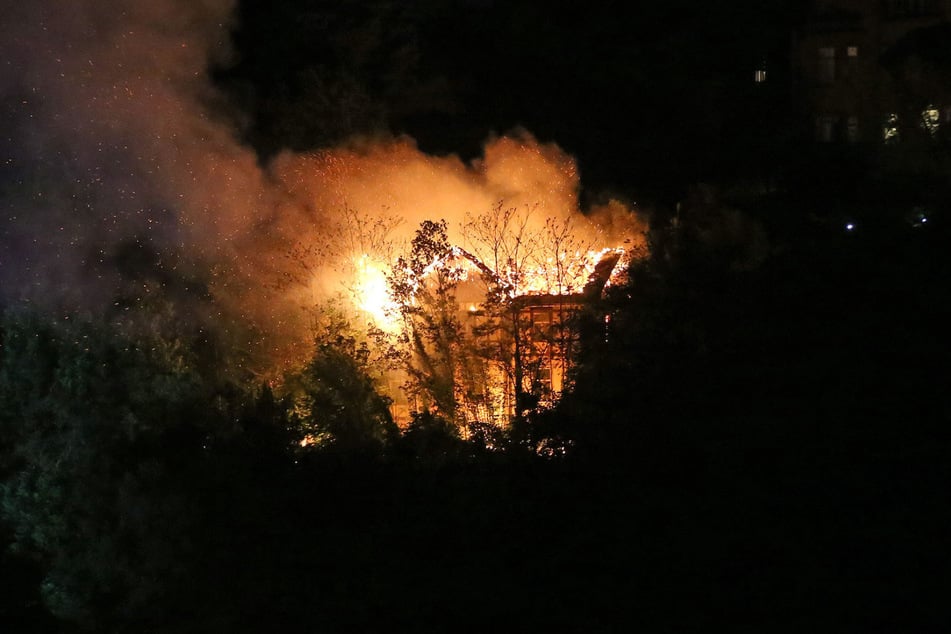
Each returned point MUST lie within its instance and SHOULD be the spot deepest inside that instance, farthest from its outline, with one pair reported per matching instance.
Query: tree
(423, 285)
(484, 362)
(354, 251)
(525, 257)
(505, 241)
(338, 403)
(99, 427)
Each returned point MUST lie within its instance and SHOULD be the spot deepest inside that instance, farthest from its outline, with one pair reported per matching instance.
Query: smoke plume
(122, 184)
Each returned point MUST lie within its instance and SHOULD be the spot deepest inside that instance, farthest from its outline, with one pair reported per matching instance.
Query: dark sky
(114, 141)
(637, 90)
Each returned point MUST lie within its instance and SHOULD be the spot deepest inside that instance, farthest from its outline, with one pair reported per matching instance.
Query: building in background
(868, 70)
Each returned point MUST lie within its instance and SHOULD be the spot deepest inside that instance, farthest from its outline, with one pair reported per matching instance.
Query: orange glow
(327, 228)
(279, 245)
(372, 294)
(564, 275)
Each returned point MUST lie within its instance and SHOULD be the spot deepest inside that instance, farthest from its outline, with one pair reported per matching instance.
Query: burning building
(470, 317)
(481, 343)
(134, 198)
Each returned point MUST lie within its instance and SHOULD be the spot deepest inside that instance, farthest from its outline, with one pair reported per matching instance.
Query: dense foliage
(737, 432)
(757, 436)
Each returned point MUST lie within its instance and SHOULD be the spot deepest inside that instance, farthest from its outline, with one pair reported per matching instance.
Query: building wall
(844, 88)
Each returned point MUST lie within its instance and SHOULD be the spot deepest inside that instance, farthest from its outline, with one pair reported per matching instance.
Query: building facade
(855, 60)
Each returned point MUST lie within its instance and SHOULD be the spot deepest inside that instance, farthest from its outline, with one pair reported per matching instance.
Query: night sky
(194, 432)
(156, 142)
(640, 92)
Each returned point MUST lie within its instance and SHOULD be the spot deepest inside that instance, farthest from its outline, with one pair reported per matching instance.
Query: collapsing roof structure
(514, 350)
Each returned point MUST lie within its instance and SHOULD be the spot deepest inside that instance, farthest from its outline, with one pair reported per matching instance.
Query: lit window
(853, 51)
(759, 76)
(890, 129)
(826, 67)
(931, 119)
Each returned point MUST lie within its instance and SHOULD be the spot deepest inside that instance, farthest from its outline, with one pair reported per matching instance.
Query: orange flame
(372, 293)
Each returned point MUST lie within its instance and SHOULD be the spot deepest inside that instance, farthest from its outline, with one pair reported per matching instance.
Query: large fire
(564, 274)
(514, 253)
(372, 295)
(156, 186)
(567, 274)
(506, 327)
(512, 220)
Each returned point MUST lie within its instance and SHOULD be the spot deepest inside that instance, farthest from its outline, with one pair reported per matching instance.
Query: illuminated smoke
(122, 181)
(113, 150)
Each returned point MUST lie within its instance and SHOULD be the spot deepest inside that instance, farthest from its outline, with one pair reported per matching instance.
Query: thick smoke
(114, 162)
(121, 183)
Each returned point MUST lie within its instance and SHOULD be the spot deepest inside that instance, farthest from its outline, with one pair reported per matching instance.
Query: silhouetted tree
(99, 424)
(423, 285)
(337, 401)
